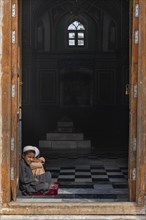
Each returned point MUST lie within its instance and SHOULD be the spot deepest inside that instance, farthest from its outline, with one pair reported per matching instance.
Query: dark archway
(104, 120)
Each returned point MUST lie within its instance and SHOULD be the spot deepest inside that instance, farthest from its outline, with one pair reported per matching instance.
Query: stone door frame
(11, 113)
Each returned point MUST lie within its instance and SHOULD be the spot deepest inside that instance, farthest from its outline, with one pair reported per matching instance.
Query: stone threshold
(32, 207)
(71, 217)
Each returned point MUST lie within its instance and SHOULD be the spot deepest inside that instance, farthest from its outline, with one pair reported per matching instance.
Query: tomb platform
(65, 136)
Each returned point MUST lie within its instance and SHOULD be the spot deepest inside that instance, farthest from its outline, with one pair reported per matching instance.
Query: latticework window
(76, 34)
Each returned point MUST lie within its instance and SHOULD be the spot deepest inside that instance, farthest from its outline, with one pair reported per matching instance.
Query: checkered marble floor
(88, 177)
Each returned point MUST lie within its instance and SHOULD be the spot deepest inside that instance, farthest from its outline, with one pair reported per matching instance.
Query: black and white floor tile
(91, 183)
(89, 178)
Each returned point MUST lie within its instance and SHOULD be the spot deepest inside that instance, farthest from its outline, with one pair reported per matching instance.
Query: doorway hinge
(134, 174)
(14, 10)
(12, 144)
(127, 89)
(136, 37)
(12, 173)
(137, 10)
(134, 144)
(13, 91)
(135, 90)
(13, 37)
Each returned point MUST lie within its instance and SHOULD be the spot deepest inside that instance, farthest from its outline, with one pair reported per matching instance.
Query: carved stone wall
(86, 84)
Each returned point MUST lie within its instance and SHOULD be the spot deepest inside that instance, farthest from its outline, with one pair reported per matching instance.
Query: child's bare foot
(53, 186)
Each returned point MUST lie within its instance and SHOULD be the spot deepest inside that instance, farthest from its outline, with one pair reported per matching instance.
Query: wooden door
(141, 109)
(15, 97)
(133, 63)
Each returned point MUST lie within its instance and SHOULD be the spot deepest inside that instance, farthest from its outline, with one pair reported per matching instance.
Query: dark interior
(82, 77)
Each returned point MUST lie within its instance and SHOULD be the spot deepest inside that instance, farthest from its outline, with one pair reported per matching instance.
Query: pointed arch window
(76, 34)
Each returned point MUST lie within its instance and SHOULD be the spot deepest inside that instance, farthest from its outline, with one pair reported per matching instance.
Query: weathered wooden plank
(141, 111)
(6, 101)
(14, 100)
(133, 101)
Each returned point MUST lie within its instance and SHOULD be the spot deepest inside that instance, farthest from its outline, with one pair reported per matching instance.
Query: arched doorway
(49, 63)
(136, 140)
(76, 68)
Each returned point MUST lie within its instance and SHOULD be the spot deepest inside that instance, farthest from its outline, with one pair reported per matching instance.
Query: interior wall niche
(112, 36)
(40, 36)
(76, 88)
(111, 33)
(42, 33)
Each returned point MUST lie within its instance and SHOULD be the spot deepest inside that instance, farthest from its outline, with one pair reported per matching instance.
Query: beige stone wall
(1, 16)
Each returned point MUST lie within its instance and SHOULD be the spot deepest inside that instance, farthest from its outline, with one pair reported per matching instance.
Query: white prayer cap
(27, 148)
(37, 152)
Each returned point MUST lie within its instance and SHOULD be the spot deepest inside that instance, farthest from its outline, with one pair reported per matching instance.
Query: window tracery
(76, 34)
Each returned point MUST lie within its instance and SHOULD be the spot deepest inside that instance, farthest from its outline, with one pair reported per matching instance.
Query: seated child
(29, 183)
(37, 166)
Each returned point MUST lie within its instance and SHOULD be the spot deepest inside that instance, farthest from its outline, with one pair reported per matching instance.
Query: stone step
(65, 124)
(65, 136)
(65, 144)
(85, 216)
(65, 129)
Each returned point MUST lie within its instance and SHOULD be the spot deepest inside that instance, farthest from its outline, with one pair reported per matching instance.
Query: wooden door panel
(133, 100)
